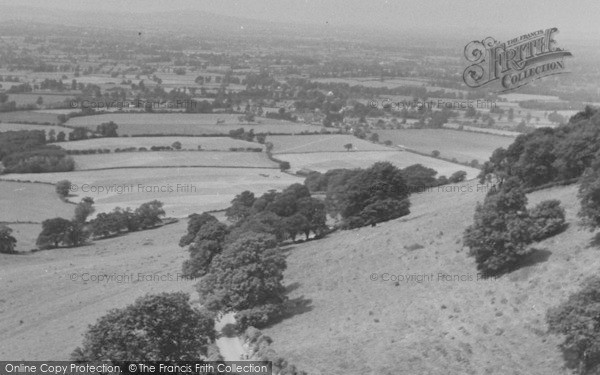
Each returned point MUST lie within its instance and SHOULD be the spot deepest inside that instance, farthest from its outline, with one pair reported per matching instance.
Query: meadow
(148, 159)
(324, 161)
(16, 202)
(464, 146)
(187, 143)
(320, 143)
(188, 124)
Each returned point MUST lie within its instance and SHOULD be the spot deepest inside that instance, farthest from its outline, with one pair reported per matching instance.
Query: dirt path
(231, 348)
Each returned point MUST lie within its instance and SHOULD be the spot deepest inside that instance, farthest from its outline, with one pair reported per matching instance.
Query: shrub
(501, 231)
(435, 153)
(589, 195)
(7, 241)
(162, 327)
(258, 316)
(578, 319)
(548, 219)
(63, 188)
(457, 177)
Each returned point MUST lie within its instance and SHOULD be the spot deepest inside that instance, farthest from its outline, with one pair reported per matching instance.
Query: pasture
(30, 202)
(174, 159)
(188, 124)
(187, 143)
(182, 190)
(324, 161)
(283, 144)
(28, 116)
(464, 146)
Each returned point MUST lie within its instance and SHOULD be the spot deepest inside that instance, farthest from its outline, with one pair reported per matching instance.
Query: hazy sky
(502, 19)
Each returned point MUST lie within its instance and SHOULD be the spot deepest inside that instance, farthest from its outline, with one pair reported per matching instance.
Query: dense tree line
(548, 154)
(26, 151)
(75, 232)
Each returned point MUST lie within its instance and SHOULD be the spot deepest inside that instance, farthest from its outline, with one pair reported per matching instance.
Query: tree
(39, 100)
(52, 135)
(374, 137)
(578, 319)
(149, 214)
(195, 223)
(63, 187)
(176, 145)
(161, 327)
(435, 153)
(60, 137)
(7, 241)
(348, 146)
(241, 206)
(589, 196)
(418, 177)
(54, 232)
(548, 219)
(284, 166)
(108, 129)
(501, 231)
(84, 209)
(248, 274)
(260, 138)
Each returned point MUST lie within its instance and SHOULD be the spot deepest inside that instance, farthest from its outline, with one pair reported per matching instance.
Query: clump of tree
(62, 232)
(367, 196)
(7, 241)
(27, 151)
(578, 320)
(119, 220)
(503, 228)
(108, 129)
(242, 134)
(246, 278)
(161, 327)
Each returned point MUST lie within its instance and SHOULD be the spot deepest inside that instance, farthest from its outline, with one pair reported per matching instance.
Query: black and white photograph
(299, 187)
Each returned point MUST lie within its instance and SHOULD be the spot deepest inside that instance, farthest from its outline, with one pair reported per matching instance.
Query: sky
(503, 20)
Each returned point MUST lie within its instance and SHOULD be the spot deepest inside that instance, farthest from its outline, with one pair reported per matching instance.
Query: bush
(548, 219)
(589, 195)
(435, 153)
(257, 317)
(63, 188)
(457, 177)
(501, 231)
(577, 319)
(162, 327)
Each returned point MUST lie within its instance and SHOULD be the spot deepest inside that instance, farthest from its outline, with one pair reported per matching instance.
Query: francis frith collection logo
(516, 62)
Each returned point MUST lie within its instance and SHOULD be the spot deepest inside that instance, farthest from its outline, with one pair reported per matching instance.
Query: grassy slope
(40, 306)
(359, 326)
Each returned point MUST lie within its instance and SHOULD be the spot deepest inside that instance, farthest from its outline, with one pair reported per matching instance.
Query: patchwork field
(189, 143)
(17, 202)
(320, 143)
(189, 124)
(324, 161)
(433, 326)
(464, 146)
(182, 190)
(175, 159)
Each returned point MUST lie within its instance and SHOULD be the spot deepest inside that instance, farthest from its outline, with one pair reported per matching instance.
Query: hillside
(354, 325)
